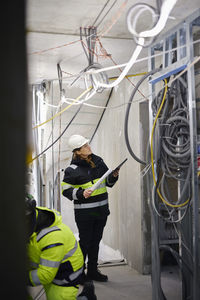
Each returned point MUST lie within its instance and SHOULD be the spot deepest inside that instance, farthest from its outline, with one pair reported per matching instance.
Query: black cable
(159, 5)
(59, 76)
(179, 261)
(52, 197)
(155, 257)
(127, 115)
(101, 12)
(61, 91)
(62, 132)
(74, 118)
(80, 74)
(88, 40)
(156, 247)
(81, 38)
(174, 132)
(162, 295)
(91, 34)
(102, 114)
(106, 13)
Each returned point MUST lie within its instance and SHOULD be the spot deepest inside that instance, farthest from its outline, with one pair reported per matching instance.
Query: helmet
(77, 141)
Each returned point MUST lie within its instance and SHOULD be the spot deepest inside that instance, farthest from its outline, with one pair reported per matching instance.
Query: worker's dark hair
(30, 204)
(30, 214)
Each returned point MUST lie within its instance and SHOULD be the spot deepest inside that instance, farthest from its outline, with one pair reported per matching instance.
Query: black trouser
(90, 235)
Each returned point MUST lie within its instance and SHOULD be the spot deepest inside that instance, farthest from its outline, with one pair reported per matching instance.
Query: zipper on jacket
(90, 176)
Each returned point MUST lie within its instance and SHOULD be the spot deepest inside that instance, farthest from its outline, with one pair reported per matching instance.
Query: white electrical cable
(165, 11)
(124, 64)
(138, 15)
(74, 101)
(145, 170)
(132, 20)
(80, 101)
(139, 60)
(127, 68)
(50, 105)
(166, 8)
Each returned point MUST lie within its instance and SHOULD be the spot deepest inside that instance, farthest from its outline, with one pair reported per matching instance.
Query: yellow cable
(138, 74)
(152, 165)
(75, 100)
(59, 113)
(131, 75)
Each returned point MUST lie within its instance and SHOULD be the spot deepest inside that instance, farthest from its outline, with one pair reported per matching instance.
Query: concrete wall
(124, 230)
(127, 229)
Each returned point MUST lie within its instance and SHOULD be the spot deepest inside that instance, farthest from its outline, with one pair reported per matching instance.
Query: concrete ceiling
(53, 33)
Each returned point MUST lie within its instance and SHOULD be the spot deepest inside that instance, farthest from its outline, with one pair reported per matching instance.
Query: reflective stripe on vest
(72, 277)
(66, 186)
(89, 184)
(100, 190)
(60, 282)
(55, 264)
(71, 252)
(49, 263)
(74, 197)
(45, 231)
(35, 277)
(91, 205)
(73, 166)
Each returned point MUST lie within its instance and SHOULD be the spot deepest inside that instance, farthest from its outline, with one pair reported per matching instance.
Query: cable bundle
(172, 142)
(171, 163)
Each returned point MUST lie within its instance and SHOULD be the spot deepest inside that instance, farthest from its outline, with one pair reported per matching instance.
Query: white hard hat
(77, 141)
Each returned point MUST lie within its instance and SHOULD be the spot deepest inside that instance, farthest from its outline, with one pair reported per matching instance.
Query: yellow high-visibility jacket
(54, 254)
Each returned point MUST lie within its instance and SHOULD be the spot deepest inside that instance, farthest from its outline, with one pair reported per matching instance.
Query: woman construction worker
(54, 256)
(90, 207)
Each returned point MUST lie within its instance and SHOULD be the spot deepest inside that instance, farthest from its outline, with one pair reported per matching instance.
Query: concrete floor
(126, 283)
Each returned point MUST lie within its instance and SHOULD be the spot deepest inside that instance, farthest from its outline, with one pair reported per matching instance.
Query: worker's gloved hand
(87, 292)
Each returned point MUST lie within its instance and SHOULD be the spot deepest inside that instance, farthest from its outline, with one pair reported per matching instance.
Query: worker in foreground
(90, 207)
(54, 256)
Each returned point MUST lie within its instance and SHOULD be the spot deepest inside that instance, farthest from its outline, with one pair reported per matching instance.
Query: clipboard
(95, 185)
(119, 166)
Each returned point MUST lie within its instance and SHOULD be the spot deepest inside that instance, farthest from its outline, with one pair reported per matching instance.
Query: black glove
(87, 292)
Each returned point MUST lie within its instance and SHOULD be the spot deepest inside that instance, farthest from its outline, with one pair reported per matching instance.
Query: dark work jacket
(79, 176)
